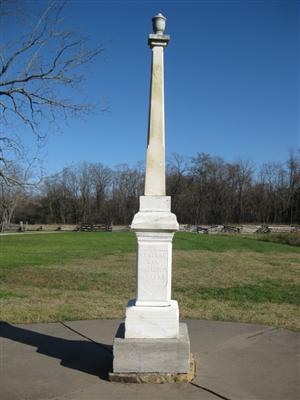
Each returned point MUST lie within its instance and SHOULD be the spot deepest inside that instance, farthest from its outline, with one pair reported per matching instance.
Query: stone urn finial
(159, 24)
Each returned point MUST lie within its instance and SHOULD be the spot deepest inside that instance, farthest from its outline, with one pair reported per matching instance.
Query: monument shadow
(83, 355)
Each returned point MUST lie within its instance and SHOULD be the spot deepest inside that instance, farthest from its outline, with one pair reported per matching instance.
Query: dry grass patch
(230, 285)
(232, 268)
(279, 315)
(235, 286)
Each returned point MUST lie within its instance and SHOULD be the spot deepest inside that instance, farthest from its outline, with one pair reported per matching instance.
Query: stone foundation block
(167, 356)
(155, 377)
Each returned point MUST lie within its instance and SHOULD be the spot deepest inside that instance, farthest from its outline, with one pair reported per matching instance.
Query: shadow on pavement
(85, 356)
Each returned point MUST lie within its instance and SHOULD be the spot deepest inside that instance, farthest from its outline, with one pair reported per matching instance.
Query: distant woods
(204, 189)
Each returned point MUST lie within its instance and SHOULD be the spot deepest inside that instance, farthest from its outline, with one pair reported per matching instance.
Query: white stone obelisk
(153, 340)
(155, 180)
(153, 314)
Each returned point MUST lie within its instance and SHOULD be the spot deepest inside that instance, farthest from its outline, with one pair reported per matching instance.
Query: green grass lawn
(65, 276)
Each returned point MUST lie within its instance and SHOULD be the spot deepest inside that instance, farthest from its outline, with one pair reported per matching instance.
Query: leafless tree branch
(35, 73)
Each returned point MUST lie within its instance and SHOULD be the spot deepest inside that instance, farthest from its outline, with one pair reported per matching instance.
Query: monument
(153, 346)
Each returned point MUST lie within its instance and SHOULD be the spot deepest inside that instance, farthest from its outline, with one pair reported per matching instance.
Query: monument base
(154, 322)
(155, 377)
(158, 356)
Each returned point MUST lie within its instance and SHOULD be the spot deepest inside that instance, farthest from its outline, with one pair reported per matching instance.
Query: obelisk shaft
(155, 181)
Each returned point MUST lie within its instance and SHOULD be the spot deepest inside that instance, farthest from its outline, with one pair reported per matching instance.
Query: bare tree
(10, 196)
(36, 72)
(177, 168)
(128, 185)
(293, 165)
(101, 179)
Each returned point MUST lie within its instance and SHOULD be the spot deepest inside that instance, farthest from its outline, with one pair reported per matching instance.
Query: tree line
(205, 190)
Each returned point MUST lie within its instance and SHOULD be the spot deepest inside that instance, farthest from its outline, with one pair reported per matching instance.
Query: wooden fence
(95, 228)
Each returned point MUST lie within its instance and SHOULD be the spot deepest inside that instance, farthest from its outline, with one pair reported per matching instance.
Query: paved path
(70, 361)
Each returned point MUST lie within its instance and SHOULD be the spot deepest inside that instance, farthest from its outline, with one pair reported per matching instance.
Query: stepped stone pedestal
(152, 346)
(153, 314)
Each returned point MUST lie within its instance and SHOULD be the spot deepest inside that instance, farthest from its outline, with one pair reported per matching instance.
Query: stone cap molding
(158, 40)
(155, 215)
(155, 221)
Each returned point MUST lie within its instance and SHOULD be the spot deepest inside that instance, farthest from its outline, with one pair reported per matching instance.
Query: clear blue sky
(231, 81)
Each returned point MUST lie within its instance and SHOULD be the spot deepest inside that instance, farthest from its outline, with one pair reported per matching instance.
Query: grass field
(65, 276)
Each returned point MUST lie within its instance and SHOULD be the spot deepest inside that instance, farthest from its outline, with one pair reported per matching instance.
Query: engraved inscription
(153, 272)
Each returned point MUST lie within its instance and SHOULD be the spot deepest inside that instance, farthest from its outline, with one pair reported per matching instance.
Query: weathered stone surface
(170, 356)
(155, 180)
(154, 268)
(155, 214)
(155, 203)
(155, 377)
(152, 321)
(154, 226)
(154, 221)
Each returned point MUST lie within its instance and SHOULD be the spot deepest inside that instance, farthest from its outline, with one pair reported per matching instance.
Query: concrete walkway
(71, 360)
